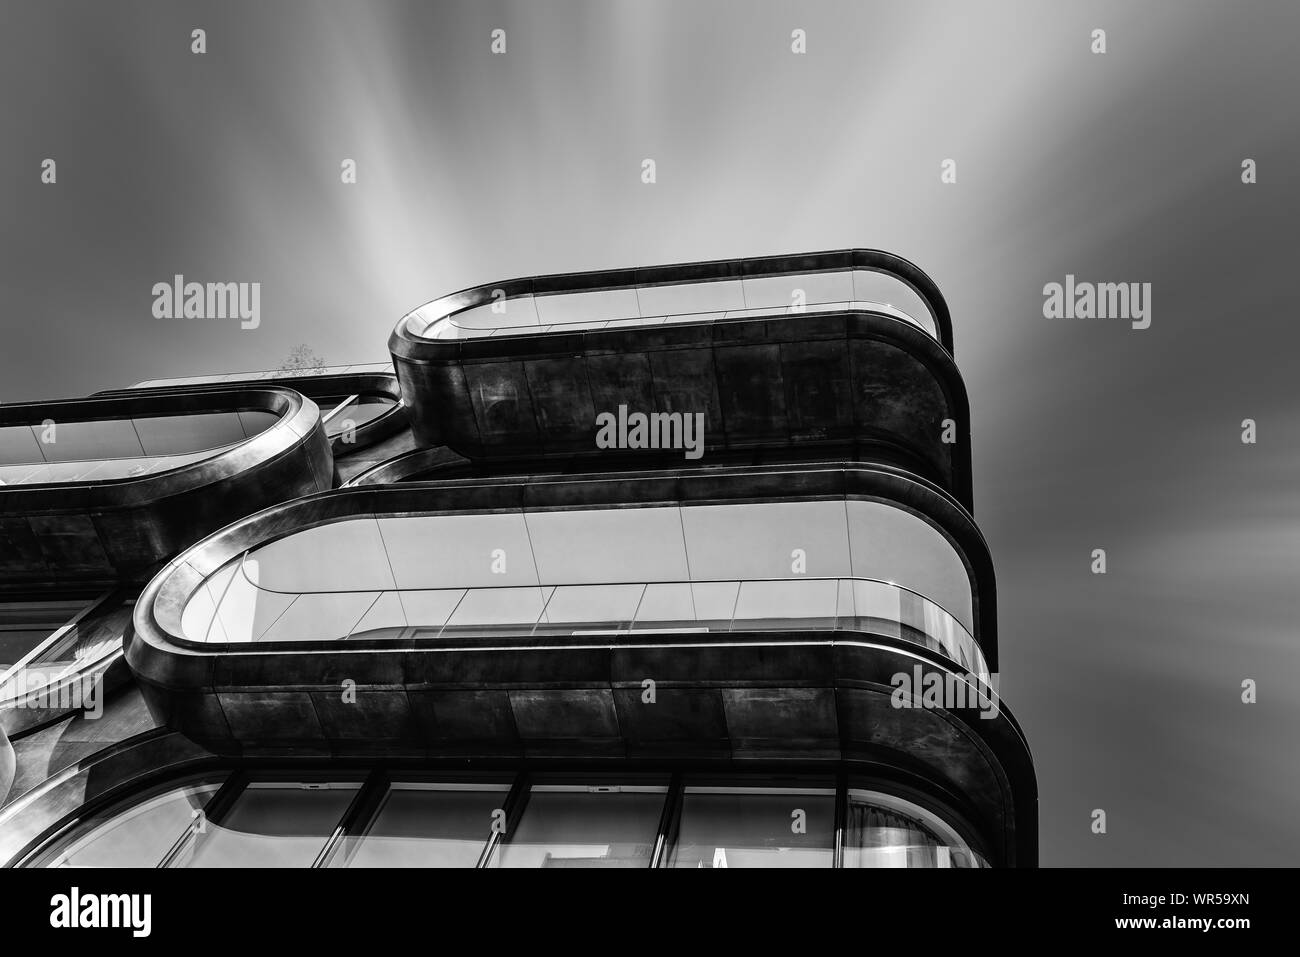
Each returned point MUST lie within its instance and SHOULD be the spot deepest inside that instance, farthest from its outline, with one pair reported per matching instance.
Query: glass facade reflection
(524, 821)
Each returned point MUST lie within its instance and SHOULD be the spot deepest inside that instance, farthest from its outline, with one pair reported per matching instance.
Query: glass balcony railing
(756, 297)
(112, 449)
(232, 607)
(463, 325)
(265, 374)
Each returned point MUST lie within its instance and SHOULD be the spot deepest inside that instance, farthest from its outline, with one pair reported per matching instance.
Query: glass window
(25, 624)
(887, 831)
(137, 836)
(755, 827)
(271, 824)
(80, 646)
(427, 825)
(576, 825)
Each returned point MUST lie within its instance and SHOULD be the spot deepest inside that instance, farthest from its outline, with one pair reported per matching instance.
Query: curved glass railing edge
(445, 328)
(232, 608)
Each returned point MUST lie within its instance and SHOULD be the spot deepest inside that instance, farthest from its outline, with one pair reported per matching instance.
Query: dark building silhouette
(429, 614)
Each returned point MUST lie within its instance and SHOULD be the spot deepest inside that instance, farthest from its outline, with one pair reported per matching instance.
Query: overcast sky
(474, 167)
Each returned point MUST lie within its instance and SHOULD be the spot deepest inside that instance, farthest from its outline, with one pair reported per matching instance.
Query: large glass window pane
(272, 825)
(755, 827)
(81, 645)
(25, 624)
(585, 826)
(427, 825)
(886, 831)
(134, 836)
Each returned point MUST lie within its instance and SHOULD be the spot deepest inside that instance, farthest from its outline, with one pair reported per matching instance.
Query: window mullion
(514, 809)
(669, 817)
(355, 818)
(222, 800)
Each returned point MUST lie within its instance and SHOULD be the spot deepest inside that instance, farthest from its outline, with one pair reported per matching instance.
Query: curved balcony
(102, 490)
(360, 406)
(867, 280)
(491, 620)
(245, 611)
(767, 353)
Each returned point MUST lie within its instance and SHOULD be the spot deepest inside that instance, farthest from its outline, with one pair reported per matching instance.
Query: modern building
(666, 567)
